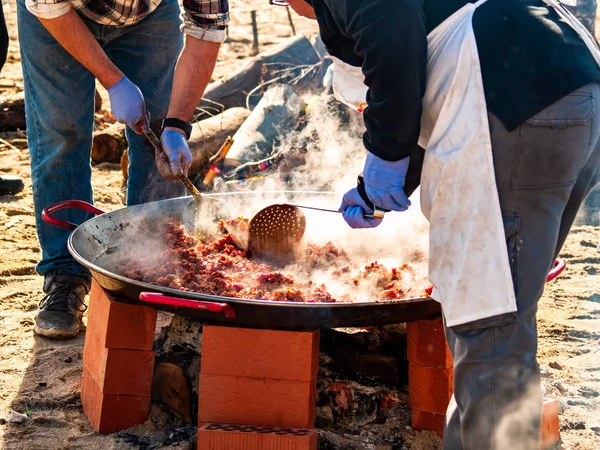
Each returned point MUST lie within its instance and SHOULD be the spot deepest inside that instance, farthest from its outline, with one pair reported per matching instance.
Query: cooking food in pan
(220, 266)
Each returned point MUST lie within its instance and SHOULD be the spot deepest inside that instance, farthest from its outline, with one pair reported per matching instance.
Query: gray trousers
(544, 170)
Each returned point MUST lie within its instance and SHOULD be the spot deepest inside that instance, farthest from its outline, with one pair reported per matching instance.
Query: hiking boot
(60, 311)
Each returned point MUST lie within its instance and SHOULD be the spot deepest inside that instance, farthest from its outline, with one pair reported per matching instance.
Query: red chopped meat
(219, 266)
(274, 279)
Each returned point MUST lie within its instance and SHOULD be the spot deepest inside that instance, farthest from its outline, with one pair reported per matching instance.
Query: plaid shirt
(203, 19)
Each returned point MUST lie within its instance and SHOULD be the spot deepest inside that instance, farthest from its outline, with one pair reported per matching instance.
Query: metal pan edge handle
(161, 299)
(558, 267)
(78, 204)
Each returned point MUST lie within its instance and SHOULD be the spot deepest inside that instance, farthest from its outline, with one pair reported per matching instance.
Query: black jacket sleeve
(390, 38)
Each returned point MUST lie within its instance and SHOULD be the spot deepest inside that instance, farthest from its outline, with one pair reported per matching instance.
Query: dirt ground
(43, 376)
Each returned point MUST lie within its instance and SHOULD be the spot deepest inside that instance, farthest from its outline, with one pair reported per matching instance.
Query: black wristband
(177, 123)
(362, 191)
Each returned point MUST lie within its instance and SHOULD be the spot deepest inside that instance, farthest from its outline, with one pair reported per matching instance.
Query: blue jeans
(544, 170)
(59, 106)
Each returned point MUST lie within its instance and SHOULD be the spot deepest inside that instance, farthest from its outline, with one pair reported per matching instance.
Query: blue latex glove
(353, 208)
(384, 182)
(175, 159)
(127, 104)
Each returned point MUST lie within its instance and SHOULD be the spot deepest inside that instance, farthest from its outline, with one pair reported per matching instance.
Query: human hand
(175, 158)
(384, 182)
(127, 104)
(354, 208)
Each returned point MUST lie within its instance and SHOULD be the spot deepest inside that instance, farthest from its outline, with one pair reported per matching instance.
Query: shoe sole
(55, 333)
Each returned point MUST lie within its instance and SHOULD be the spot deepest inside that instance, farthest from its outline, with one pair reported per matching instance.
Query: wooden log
(125, 165)
(209, 134)
(109, 144)
(171, 388)
(232, 90)
(97, 102)
(277, 112)
(12, 113)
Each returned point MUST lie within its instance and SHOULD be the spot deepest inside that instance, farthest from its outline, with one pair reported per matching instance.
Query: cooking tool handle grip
(557, 269)
(559, 266)
(79, 204)
(161, 299)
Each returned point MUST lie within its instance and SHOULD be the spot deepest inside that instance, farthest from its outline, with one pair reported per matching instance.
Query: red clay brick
(550, 431)
(119, 371)
(426, 344)
(429, 388)
(256, 401)
(423, 420)
(227, 437)
(245, 352)
(120, 325)
(109, 413)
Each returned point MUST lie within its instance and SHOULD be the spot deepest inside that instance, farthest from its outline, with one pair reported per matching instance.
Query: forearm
(70, 31)
(192, 74)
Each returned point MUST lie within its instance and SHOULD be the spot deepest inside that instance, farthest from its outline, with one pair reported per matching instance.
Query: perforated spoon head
(275, 233)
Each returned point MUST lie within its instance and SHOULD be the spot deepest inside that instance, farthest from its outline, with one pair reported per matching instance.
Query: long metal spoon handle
(316, 209)
(377, 214)
(190, 187)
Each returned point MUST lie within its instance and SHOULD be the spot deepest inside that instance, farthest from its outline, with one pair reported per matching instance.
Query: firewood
(209, 134)
(277, 111)
(171, 388)
(125, 164)
(289, 56)
(370, 369)
(97, 102)
(12, 113)
(108, 145)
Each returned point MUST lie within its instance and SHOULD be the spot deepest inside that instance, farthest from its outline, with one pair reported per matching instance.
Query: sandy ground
(44, 376)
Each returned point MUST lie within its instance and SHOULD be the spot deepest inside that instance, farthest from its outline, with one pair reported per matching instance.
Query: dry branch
(296, 53)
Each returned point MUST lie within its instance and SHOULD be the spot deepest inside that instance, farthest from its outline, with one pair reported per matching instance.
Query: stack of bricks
(257, 389)
(430, 374)
(430, 378)
(118, 363)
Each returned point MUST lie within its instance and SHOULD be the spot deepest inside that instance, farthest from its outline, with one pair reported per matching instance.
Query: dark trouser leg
(544, 169)
(3, 38)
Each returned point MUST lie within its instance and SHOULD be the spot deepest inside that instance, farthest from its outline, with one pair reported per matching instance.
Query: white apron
(468, 260)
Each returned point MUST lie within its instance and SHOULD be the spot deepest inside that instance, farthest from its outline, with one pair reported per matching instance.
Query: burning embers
(219, 266)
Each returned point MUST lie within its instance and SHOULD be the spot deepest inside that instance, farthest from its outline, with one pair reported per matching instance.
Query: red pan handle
(160, 299)
(559, 266)
(48, 218)
(557, 269)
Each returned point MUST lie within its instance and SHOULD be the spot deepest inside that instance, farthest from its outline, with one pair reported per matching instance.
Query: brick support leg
(257, 378)
(431, 379)
(430, 374)
(118, 363)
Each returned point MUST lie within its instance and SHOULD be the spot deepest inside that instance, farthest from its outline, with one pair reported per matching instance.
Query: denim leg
(544, 170)
(147, 53)
(59, 107)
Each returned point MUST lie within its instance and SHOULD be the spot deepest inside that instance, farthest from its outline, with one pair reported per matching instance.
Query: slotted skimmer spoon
(275, 232)
(202, 213)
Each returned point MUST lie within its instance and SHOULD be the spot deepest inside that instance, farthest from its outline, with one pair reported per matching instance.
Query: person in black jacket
(542, 91)
(9, 184)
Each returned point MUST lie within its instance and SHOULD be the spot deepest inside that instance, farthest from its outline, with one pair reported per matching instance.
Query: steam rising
(333, 154)
(334, 157)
